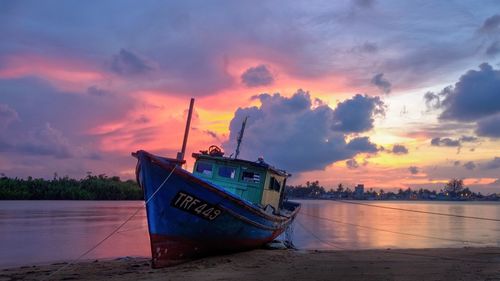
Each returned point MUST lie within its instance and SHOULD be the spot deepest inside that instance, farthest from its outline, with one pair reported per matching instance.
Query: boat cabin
(257, 182)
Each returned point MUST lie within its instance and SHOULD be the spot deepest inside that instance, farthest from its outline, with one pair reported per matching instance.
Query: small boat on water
(225, 205)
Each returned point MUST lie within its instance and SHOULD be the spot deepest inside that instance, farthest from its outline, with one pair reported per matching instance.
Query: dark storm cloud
(474, 96)
(489, 126)
(367, 48)
(54, 123)
(493, 164)
(192, 45)
(493, 49)
(128, 63)
(364, 3)
(210, 133)
(439, 129)
(413, 170)
(257, 76)
(299, 102)
(450, 142)
(143, 119)
(46, 141)
(469, 139)
(399, 149)
(197, 41)
(7, 115)
(27, 95)
(491, 24)
(291, 134)
(470, 165)
(352, 164)
(96, 91)
(362, 144)
(424, 62)
(432, 100)
(41, 141)
(383, 84)
(357, 114)
(445, 142)
(181, 41)
(474, 99)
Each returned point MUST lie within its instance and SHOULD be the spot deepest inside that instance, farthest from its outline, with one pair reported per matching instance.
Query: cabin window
(227, 172)
(250, 177)
(204, 168)
(274, 184)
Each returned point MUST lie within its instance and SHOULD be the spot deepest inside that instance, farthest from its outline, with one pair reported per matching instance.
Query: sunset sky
(392, 94)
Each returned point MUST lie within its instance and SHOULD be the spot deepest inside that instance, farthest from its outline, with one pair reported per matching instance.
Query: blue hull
(190, 218)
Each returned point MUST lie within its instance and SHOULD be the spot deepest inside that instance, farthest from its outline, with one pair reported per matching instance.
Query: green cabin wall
(247, 190)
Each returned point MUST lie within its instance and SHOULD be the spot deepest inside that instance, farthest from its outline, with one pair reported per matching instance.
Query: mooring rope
(318, 238)
(114, 231)
(131, 229)
(398, 252)
(391, 231)
(416, 211)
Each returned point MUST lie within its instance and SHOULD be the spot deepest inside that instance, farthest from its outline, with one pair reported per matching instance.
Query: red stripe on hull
(168, 250)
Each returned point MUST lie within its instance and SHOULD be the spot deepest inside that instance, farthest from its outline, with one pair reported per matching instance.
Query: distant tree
(348, 192)
(311, 190)
(465, 192)
(454, 186)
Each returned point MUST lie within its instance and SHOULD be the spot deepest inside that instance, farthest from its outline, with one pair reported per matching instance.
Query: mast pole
(180, 155)
(240, 137)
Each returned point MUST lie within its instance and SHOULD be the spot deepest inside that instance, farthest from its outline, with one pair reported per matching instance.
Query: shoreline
(396, 264)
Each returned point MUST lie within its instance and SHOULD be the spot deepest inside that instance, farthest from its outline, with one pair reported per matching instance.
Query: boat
(225, 205)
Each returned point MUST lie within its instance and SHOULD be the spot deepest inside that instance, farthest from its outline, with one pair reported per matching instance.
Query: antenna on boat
(180, 155)
(240, 137)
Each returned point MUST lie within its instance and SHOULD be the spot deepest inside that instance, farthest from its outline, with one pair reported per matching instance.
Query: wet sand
(421, 264)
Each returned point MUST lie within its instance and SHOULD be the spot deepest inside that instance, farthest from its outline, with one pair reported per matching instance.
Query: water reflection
(364, 227)
(44, 231)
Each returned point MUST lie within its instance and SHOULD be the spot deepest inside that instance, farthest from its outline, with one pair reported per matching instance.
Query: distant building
(359, 190)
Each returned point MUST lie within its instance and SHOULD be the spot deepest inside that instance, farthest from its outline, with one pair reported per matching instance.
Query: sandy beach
(421, 264)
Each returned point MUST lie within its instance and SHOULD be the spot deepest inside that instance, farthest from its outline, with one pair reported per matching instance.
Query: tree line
(453, 190)
(102, 187)
(99, 187)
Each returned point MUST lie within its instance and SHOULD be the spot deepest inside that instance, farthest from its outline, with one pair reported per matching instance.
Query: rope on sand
(113, 232)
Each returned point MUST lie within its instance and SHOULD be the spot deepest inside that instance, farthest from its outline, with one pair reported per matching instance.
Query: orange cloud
(479, 181)
(65, 73)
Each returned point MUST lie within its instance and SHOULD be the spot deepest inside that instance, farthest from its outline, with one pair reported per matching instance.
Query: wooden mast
(240, 137)
(180, 155)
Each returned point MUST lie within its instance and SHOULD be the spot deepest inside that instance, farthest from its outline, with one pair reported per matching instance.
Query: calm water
(33, 232)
